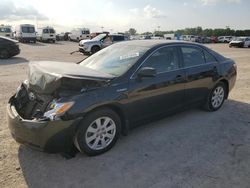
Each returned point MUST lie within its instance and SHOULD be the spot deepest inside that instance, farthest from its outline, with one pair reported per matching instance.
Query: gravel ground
(190, 149)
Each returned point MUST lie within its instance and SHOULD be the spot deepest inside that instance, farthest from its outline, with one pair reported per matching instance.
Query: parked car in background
(6, 31)
(8, 47)
(46, 34)
(101, 41)
(62, 36)
(87, 105)
(25, 33)
(225, 39)
(190, 38)
(240, 42)
(170, 36)
(214, 39)
(79, 34)
(157, 36)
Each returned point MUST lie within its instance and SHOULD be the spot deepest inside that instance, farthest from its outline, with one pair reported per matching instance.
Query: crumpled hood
(88, 41)
(47, 76)
(85, 41)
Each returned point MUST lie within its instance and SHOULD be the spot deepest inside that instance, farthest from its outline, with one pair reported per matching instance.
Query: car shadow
(190, 149)
(13, 60)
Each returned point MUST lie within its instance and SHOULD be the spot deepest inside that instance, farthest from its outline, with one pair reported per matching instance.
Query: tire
(216, 97)
(95, 49)
(93, 139)
(4, 54)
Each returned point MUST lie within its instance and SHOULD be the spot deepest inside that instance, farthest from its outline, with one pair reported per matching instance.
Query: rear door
(162, 93)
(201, 72)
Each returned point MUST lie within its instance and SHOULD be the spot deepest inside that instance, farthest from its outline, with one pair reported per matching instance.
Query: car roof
(153, 43)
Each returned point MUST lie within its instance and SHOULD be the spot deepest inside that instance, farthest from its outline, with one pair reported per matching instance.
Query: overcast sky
(120, 15)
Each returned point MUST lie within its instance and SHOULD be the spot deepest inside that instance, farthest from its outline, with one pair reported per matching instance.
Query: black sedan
(87, 105)
(8, 48)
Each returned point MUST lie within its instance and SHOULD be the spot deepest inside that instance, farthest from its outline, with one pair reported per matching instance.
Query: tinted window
(192, 56)
(209, 58)
(118, 38)
(164, 59)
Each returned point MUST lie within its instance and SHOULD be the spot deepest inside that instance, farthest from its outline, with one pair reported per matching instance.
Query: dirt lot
(191, 149)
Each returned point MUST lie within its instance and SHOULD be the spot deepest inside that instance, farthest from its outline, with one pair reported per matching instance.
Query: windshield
(99, 37)
(85, 32)
(115, 59)
(28, 29)
(5, 30)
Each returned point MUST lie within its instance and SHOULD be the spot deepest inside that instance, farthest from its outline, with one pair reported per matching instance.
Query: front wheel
(95, 49)
(98, 132)
(216, 98)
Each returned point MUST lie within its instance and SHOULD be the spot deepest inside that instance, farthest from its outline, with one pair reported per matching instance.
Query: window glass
(45, 31)
(115, 59)
(51, 30)
(118, 38)
(85, 32)
(209, 58)
(192, 56)
(164, 59)
(28, 29)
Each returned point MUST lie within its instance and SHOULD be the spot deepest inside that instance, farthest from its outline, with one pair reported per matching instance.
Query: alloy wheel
(218, 96)
(100, 133)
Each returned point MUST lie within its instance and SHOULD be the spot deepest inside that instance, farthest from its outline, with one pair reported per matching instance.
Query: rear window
(48, 31)
(28, 29)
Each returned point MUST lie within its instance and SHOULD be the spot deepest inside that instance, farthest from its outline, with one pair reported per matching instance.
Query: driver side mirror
(146, 72)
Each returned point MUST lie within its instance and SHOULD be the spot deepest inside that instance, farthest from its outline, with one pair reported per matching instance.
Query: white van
(188, 38)
(46, 34)
(6, 31)
(79, 34)
(25, 33)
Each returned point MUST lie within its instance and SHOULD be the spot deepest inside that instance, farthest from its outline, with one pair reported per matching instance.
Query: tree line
(199, 31)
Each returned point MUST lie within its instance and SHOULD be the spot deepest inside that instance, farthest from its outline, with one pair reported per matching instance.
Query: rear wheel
(98, 132)
(4, 54)
(216, 98)
(95, 49)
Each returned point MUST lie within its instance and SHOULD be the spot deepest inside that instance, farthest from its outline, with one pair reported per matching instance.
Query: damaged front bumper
(44, 135)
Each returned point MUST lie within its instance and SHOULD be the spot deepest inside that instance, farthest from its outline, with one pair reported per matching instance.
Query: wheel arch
(95, 46)
(226, 83)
